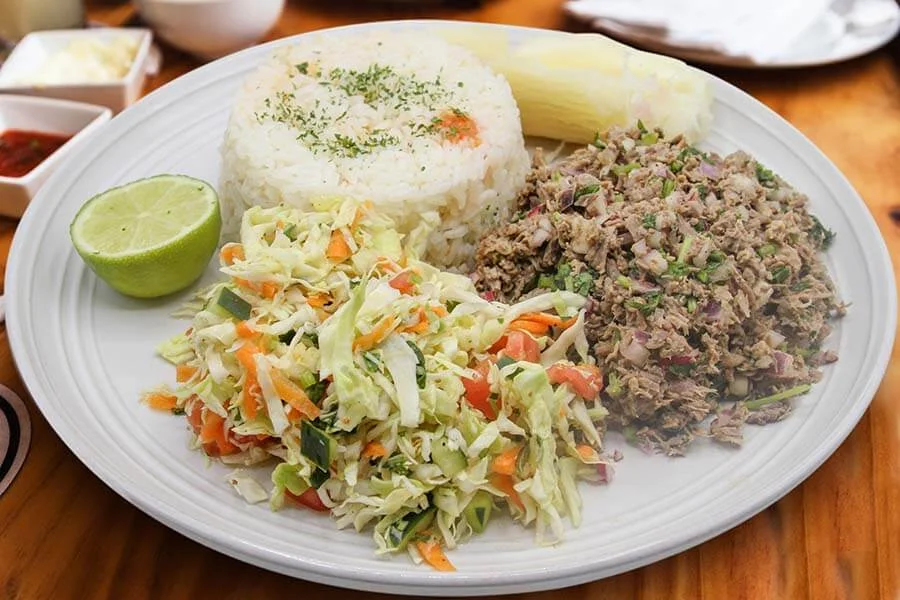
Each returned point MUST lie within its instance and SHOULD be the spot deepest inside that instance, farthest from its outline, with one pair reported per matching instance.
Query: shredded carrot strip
(231, 253)
(269, 289)
(245, 355)
(586, 452)
(529, 326)
(294, 416)
(184, 373)
(375, 337)
(293, 394)
(440, 310)
(544, 318)
(434, 555)
(568, 323)
(505, 463)
(356, 219)
(387, 264)
(213, 430)
(244, 283)
(338, 250)
(244, 330)
(160, 401)
(318, 300)
(504, 483)
(421, 326)
(374, 449)
(248, 398)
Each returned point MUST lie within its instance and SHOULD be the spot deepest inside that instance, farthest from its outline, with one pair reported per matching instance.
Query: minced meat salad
(707, 293)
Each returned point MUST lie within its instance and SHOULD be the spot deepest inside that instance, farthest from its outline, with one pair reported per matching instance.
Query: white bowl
(36, 47)
(211, 28)
(46, 116)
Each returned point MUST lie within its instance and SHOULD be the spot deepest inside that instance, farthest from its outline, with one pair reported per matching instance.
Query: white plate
(86, 353)
(829, 40)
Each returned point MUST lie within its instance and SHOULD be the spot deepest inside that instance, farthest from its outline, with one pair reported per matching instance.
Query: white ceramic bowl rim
(59, 154)
(137, 64)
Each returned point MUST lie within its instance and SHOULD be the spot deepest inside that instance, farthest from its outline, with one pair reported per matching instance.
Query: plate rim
(424, 582)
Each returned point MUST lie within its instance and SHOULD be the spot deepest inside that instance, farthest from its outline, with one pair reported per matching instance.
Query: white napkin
(760, 30)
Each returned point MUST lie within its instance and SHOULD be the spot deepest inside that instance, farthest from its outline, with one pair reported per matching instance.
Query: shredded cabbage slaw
(387, 392)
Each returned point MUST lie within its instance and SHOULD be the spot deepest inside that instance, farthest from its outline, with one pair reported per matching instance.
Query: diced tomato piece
(309, 499)
(478, 391)
(521, 346)
(403, 282)
(211, 431)
(499, 345)
(586, 381)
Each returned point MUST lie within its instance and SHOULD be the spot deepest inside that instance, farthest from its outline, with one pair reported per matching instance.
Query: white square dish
(44, 115)
(36, 47)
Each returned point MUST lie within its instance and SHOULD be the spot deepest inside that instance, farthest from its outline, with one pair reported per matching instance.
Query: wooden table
(63, 534)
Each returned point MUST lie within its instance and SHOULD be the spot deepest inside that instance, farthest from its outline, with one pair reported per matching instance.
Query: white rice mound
(443, 192)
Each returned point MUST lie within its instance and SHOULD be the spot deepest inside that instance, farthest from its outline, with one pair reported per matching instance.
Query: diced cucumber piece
(318, 477)
(233, 304)
(316, 445)
(504, 361)
(308, 379)
(403, 530)
(478, 511)
(288, 337)
(450, 461)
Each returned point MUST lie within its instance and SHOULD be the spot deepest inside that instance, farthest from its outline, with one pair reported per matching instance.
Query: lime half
(151, 237)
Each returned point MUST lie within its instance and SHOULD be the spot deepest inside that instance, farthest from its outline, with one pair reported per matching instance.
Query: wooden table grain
(63, 534)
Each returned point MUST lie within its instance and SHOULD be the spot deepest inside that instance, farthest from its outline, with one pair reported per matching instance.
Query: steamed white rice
(367, 116)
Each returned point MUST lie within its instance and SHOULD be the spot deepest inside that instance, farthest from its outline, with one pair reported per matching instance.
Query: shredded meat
(703, 274)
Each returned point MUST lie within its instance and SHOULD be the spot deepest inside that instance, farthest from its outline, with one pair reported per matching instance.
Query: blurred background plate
(845, 31)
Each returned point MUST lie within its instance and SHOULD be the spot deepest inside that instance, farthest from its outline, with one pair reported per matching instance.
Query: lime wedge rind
(151, 237)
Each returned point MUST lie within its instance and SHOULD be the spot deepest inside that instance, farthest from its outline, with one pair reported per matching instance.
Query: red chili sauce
(21, 151)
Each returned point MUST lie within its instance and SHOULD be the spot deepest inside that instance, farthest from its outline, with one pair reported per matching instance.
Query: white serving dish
(47, 116)
(86, 353)
(211, 28)
(36, 47)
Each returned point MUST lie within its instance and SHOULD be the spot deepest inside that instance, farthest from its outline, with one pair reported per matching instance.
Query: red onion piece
(712, 310)
(709, 170)
(644, 287)
(639, 248)
(605, 472)
(783, 362)
(489, 296)
(635, 353)
(565, 198)
(640, 336)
